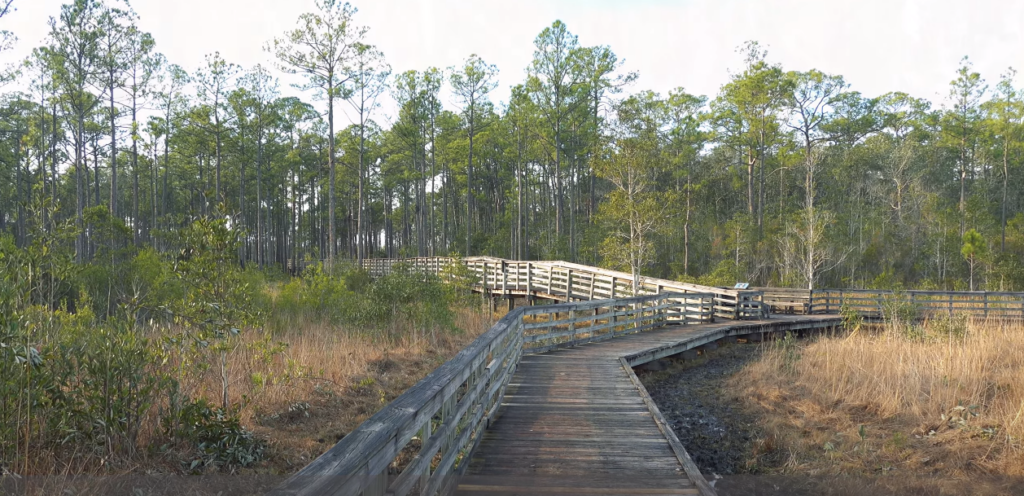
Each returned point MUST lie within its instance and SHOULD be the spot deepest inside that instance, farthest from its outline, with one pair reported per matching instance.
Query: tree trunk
(113, 152)
(330, 165)
(469, 181)
(686, 230)
(260, 252)
(1006, 178)
(135, 173)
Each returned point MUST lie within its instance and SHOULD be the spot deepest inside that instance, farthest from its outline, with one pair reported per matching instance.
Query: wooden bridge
(546, 401)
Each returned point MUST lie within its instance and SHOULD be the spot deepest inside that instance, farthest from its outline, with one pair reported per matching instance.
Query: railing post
(425, 434)
(615, 318)
(529, 279)
(572, 325)
(985, 295)
(568, 285)
(613, 288)
(504, 277)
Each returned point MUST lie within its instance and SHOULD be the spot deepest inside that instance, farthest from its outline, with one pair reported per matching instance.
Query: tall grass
(945, 396)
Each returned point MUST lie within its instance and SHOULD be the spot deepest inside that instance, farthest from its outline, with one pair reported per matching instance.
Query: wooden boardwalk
(576, 421)
(546, 401)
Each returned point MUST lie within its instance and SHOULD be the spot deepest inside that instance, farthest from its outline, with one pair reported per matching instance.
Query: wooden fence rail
(877, 303)
(422, 440)
(573, 282)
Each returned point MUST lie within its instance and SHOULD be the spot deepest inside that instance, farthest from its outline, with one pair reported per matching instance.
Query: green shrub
(852, 319)
(215, 436)
(949, 326)
(420, 299)
(348, 296)
(79, 376)
(70, 380)
(316, 295)
(108, 381)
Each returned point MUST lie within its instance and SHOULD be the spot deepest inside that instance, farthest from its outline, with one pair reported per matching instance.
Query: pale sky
(877, 45)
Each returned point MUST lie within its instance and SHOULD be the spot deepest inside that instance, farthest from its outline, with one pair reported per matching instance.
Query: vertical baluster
(425, 432)
(504, 277)
(529, 279)
(568, 285)
(572, 326)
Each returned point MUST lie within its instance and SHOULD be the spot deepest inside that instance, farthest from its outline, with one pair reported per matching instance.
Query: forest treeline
(785, 177)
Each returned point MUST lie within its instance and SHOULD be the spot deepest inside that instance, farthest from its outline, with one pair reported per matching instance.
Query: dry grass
(878, 403)
(329, 379)
(301, 390)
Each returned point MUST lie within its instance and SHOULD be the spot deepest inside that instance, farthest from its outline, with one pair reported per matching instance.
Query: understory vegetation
(188, 363)
(940, 399)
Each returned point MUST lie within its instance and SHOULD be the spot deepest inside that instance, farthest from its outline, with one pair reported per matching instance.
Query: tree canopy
(787, 176)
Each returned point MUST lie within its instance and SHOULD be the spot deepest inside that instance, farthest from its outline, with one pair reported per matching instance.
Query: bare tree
(804, 248)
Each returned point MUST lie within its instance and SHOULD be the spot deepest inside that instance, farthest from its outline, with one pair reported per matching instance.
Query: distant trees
(633, 162)
(973, 250)
(471, 84)
(320, 49)
(368, 77)
(782, 177)
(960, 127)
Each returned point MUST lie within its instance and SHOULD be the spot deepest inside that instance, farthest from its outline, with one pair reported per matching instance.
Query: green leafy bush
(317, 294)
(419, 298)
(215, 435)
(949, 326)
(348, 296)
(68, 379)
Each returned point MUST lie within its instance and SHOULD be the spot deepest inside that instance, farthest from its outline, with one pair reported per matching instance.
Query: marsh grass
(946, 399)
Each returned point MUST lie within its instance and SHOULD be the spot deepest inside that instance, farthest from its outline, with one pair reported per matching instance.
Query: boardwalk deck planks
(545, 402)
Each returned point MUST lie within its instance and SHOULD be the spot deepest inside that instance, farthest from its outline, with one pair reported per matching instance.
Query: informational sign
(741, 285)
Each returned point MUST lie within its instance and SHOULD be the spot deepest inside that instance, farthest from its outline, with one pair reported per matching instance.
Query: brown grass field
(935, 412)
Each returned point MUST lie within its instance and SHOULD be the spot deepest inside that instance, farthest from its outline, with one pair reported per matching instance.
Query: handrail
(872, 302)
(569, 281)
(419, 442)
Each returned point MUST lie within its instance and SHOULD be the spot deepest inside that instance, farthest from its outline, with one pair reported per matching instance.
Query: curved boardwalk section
(546, 402)
(576, 421)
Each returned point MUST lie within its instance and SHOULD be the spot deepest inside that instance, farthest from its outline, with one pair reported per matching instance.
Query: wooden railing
(573, 282)
(873, 303)
(420, 442)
